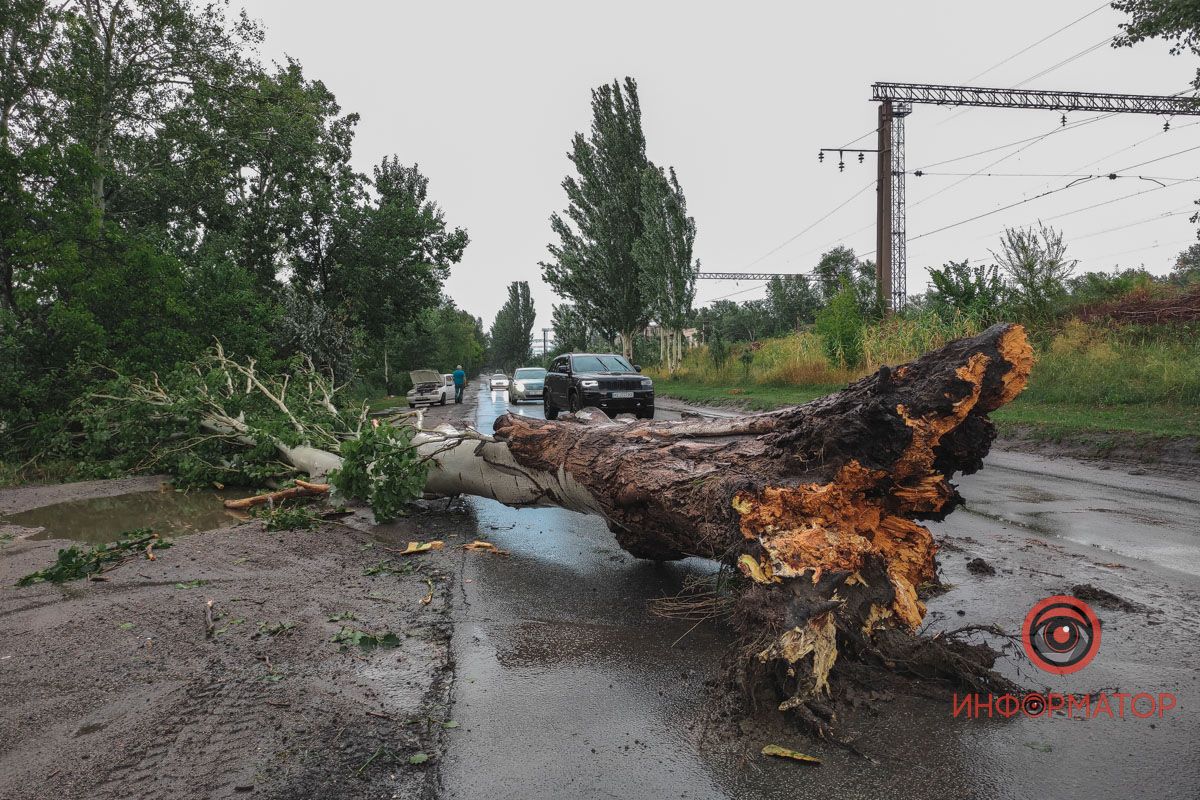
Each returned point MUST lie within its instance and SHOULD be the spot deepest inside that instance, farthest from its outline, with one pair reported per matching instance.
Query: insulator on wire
(821, 156)
(1166, 126)
(841, 166)
(1064, 120)
(860, 158)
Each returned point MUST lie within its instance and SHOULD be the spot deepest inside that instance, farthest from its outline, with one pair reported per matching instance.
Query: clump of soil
(977, 566)
(1103, 598)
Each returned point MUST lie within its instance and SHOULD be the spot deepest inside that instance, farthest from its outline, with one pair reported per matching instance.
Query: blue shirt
(460, 377)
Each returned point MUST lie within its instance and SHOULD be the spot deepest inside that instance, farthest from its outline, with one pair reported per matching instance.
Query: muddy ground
(111, 689)
(545, 673)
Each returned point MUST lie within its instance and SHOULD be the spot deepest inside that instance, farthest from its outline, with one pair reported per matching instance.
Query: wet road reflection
(567, 687)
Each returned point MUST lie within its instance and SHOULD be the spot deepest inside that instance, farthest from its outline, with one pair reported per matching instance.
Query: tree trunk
(626, 344)
(817, 505)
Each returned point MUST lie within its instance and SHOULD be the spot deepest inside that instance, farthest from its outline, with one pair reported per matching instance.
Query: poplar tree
(513, 327)
(664, 257)
(593, 264)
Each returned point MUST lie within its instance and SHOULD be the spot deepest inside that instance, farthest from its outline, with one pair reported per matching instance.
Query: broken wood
(301, 489)
(824, 499)
(818, 506)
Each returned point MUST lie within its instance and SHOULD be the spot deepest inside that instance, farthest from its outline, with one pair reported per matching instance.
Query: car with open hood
(526, 385)
(601, 380)
(429, 387)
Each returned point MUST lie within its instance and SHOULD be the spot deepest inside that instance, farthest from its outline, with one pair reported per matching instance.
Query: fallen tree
(818, 505)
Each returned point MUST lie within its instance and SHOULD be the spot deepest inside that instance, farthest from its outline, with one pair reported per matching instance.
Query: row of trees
(1031, 279)
(161, 188)
(623, 255)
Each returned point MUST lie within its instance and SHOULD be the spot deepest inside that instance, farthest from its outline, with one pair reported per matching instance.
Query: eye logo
(1061, 634)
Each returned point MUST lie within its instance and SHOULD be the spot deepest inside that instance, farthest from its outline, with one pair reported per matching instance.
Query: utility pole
(895, 103)
(546, 341)
(883, 207)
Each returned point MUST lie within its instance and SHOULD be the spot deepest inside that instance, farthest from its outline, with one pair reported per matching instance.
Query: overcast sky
(739, 97)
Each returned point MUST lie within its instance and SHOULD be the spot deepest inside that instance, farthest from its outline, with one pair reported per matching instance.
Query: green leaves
(593, 263)
(840, 325)
(382, 468)
(348, 637)
(274, 628)
(192, 584)
(75, 562)
(512, 328)
(289, 518)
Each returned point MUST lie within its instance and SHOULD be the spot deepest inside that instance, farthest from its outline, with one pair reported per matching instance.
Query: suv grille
(622, 385)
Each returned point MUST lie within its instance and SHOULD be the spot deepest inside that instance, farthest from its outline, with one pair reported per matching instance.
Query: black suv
(602, 380)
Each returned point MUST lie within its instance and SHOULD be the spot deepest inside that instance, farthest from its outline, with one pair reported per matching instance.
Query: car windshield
(530, 374)
(608, 363)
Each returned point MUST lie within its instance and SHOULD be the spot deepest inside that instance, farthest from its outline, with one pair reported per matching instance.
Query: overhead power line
(1067, 60)
(1044, 39)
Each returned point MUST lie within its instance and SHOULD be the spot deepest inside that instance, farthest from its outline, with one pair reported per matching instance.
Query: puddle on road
(99, 520)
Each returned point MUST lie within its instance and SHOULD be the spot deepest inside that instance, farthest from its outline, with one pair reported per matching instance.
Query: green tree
(840, 325)
(977, 292)
(593, 262)
(792, 302)
(839, 268)
(125, 64)
(1175, 21)
(1187, 267)
(571, 331)
(158, 186)
(664, 257)
(513, 328)
(1036, 265)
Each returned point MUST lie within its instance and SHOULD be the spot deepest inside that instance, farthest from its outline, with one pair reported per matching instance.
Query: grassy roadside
(1052, 420)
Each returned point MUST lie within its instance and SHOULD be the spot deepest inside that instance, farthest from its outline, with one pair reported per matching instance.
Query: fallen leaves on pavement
(783, 752)
(487, 547)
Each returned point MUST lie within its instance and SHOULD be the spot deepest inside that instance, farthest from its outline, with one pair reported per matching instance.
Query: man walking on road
(460, 383)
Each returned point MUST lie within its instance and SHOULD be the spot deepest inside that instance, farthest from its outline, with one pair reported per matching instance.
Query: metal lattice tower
(895, 103)
(891, 244)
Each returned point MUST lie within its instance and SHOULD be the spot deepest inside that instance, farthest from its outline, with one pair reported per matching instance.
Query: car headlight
(589, 384)
(647, 383)
(520, 385)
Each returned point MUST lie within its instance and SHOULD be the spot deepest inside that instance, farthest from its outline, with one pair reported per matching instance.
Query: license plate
(622, 395)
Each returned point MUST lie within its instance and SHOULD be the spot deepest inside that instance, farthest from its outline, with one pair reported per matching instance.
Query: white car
(526, 385)
(429, 387)
(498, 382)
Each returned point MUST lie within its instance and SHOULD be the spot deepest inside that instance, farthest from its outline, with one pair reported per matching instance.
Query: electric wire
(1027, 48)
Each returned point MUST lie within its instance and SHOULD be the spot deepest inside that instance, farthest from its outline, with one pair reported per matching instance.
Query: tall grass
(1083, 363)
(899, 339)
(796, 360)
(1087, 363)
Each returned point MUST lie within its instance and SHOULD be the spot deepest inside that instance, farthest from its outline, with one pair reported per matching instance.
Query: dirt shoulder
(113, 689)
(1172, 455)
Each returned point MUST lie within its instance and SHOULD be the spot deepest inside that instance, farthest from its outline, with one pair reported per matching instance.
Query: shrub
(841, 324)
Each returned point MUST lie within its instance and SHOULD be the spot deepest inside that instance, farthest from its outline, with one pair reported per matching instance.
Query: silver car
(526, 384)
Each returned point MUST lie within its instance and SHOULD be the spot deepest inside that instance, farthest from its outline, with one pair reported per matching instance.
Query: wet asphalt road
(567, 687)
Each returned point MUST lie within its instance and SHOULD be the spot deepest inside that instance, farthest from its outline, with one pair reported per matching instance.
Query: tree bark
(818, 505)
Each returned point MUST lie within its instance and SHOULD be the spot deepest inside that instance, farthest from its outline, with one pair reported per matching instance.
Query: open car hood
(420, 376)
